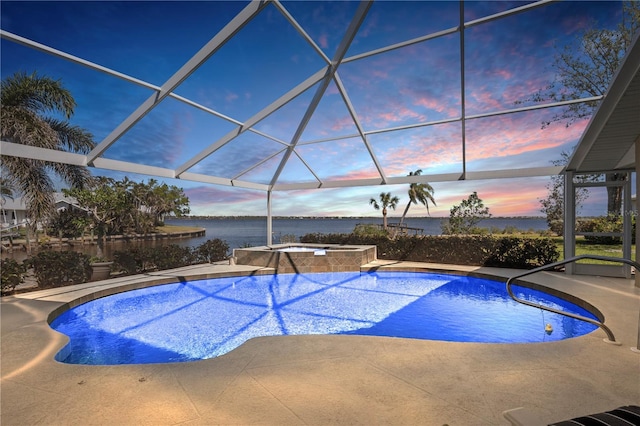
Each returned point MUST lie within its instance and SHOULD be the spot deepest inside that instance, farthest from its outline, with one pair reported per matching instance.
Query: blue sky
(506, 60)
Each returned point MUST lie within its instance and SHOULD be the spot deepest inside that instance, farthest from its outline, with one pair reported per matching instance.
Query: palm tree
(386, 201)
(6, 189)
(24, 101)
(418, 193)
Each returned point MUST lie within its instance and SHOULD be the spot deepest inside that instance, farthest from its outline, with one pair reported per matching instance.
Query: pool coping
(272, 379)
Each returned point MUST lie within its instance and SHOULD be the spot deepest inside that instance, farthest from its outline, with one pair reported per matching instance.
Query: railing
(610, 336)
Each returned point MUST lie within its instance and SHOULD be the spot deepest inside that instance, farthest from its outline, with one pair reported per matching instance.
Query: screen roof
(276, 95)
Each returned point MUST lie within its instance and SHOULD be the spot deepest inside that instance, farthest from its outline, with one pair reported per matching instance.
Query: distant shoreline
(339, 217)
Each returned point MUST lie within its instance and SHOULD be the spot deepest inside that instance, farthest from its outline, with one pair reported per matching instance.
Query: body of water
(241, 232)
(252, 231)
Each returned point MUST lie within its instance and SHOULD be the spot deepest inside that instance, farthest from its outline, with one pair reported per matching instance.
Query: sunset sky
(506, 60)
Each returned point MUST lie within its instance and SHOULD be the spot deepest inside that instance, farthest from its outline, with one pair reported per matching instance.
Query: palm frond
(23, 100)
(71, 138)
(19, 125)
(37, 94)
(7, 188)
(34, 183)
(74, 176)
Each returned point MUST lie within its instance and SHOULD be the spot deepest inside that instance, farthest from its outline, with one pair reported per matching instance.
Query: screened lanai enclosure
(289, 97)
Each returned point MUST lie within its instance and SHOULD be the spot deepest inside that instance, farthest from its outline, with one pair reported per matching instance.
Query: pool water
(208, 318)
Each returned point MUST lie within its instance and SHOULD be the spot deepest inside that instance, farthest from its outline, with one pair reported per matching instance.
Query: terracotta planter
(100, 270)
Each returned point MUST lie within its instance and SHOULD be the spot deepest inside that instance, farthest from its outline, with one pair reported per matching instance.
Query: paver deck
(319, 380)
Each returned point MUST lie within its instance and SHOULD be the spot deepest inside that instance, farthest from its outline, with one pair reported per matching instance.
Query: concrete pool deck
(320, 380)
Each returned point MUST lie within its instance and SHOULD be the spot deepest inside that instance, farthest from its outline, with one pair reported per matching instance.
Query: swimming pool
(208, 318)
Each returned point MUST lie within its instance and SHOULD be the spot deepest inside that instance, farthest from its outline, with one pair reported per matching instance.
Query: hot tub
(306, 258)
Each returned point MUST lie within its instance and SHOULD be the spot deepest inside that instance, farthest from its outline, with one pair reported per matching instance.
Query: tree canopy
(421, 193)
(585, 68)
(120, 207)
(387, 201)
(28, 105)
(464, 217)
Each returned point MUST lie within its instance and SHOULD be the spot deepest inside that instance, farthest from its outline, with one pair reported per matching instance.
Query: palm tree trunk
(28, 238)
(384, 218)
(405, 213)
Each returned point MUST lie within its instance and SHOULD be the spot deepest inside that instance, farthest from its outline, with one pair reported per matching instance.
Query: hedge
(474, 250)
(61, 268)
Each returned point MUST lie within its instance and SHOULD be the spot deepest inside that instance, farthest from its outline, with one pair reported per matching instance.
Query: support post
(569, 221)
(627, 224)
(635, 212)
(269, 220)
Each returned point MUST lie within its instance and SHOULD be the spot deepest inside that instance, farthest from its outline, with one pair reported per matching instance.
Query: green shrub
(609, 223)
(135, 260)
(480, 250)
(370, 230)
(288, 238)
(57, 268)
(138, 260)
(212, 251)
(522, 253)
(12, 274)
(68, 223)
(172, 256)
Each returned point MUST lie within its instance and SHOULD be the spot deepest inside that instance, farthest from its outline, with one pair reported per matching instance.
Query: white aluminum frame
(322, 78)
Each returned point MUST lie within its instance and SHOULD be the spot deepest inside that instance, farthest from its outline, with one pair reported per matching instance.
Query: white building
(13, 213)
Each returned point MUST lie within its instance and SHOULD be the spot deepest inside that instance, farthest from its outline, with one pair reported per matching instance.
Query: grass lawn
(584, 247)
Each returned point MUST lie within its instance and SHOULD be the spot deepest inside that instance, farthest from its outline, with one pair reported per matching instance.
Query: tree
(24, 101)
(386, 201)
(464, 217)
(106, 202)
(418, 193)
(585, 69)
(7, 189)
(160, 200)
(68, 223)
(121, 207)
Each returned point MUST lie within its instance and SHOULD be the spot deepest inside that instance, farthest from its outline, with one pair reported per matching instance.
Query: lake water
(241, 232)
(252, 231)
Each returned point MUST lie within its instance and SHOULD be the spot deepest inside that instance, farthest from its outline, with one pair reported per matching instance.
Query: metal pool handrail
(611, 337)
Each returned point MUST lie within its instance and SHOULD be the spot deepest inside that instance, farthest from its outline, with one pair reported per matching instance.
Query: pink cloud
(379, 73)
(398, 161)
(522, 90)
(397, 114)
(323, 41)
(503, 73)
(342, 123)
(438, 105)
(359, 174)
(571, 24)
(510, 199)
(504, 197)
(485, 100)
(516, 134)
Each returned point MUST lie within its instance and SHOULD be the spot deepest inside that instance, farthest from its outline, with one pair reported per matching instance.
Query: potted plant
(100, 268)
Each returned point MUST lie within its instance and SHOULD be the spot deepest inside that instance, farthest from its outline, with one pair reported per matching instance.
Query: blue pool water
(204, 319)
